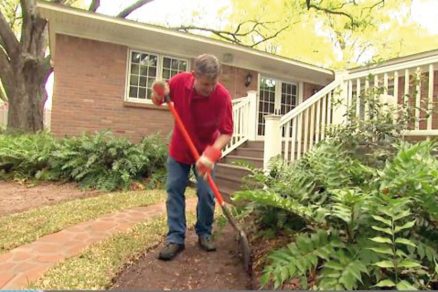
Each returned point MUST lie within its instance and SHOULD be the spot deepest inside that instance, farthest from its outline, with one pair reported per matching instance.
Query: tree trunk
(26, 99)
(24, 66)
(29, 69)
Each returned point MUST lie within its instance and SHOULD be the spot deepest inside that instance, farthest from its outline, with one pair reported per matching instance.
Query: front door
(276, 97)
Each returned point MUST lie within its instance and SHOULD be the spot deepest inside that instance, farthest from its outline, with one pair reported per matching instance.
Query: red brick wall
(424, 85)
(233, 79)
(89, 91)
(309, 88)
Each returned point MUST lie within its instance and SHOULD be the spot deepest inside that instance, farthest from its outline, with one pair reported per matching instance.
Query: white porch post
(272, 145)
(252, 119)
(340, 103)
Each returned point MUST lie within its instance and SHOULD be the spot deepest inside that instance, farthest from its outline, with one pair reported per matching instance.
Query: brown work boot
(170, 250)
(206, 243)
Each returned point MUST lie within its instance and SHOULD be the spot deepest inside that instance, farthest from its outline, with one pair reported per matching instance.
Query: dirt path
(15, 197)
(191, 269)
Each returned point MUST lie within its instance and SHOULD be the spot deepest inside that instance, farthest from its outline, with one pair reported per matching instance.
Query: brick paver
(29, 262)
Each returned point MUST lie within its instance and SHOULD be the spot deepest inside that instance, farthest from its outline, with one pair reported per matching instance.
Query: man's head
(206, 72)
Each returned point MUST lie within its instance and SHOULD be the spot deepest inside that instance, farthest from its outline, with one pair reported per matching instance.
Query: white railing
(306, 125)
(244, 115)
(412, 81)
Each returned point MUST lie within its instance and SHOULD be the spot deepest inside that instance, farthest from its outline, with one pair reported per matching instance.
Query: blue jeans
(177, 179)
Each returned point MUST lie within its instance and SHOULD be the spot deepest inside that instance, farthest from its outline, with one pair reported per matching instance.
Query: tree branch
(7, 37)
(236, 35)
(376, 4)
(128, 10)
(363, 50)
(331, 11)
(270, 37)
(338, 10)
(94, 5)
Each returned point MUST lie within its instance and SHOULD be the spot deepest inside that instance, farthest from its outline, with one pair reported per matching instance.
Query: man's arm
(222, 141)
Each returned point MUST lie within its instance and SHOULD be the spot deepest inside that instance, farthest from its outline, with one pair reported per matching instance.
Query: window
(144, 68)
(276, 97)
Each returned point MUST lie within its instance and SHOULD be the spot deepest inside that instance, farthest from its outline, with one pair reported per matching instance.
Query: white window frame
(159, 72)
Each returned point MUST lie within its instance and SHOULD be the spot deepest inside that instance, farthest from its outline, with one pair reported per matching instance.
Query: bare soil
(191, 269)
(16, 197)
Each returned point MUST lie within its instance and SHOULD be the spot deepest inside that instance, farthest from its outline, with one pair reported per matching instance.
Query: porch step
(224, 169)
(253, 144)
(229, 179)
(255, 162)
(230, 182)
(248, 152)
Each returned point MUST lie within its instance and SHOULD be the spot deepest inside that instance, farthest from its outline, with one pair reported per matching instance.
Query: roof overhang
(414, 58)
(135, 35)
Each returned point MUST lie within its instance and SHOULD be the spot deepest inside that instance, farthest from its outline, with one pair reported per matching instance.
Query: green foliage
(371, 194)
(392, 220)
(414, 171)
(300, 257)
(101, 161)
(24, 156)
(342, 271)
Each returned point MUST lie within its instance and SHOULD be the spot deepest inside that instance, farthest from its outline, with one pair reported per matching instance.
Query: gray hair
(207, 65)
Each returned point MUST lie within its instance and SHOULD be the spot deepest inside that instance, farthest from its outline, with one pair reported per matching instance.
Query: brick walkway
(29, 262)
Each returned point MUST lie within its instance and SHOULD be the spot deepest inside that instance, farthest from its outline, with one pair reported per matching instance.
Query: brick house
(104, 68)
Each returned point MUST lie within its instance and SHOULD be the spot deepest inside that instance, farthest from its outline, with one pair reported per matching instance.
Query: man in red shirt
(206, 110)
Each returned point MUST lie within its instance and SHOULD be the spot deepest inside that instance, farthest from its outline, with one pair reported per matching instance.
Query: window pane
(133, 91)
(166, 62)
(166, 74)
(133, 80)
(152, 71)
(135, 57)
(152, 61)
(150, 81)
(143, 70)
(135, 69)
(142, 81)
(174, 64)
(142, 92)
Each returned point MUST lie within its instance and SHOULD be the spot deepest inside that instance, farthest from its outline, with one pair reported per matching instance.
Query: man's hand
(206, 162)
(160, 89)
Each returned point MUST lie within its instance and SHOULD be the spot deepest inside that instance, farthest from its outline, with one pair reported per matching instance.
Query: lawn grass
(96, 267)
(22, 228)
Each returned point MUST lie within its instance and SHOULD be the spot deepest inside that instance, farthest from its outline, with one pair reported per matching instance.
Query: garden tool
(243, 239)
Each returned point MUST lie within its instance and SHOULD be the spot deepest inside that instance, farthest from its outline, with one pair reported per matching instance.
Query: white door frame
(277, 105)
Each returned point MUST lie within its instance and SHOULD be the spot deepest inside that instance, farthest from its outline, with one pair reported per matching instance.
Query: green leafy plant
(371, 194)
(99, 161)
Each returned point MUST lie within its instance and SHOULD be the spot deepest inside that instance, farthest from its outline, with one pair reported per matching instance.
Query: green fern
(299, 258)
(342, 271)
(394, 220)
(268, 198)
